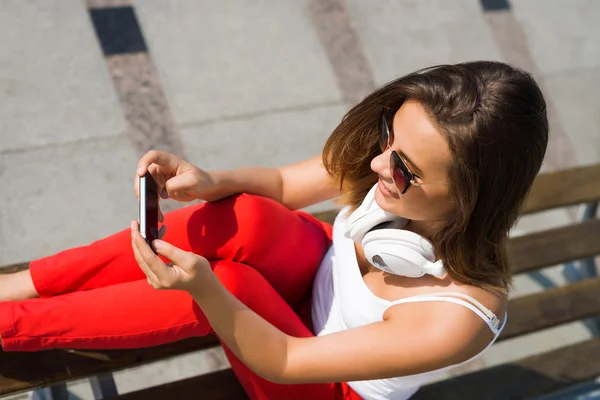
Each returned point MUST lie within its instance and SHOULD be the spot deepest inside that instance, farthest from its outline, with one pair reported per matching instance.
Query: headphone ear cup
(400, 252)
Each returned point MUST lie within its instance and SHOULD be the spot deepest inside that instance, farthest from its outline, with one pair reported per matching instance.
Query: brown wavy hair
(493, 117)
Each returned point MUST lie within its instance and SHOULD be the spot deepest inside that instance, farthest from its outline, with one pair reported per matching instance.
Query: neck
(424, 228)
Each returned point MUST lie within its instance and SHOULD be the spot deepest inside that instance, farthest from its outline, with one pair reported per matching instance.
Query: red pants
(97, 297)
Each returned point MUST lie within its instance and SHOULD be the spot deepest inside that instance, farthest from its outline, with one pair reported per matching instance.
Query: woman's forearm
(262, 181)
(255, 342)
(296, 186)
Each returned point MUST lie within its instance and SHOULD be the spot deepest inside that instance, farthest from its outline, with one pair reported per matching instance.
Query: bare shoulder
(465, 333)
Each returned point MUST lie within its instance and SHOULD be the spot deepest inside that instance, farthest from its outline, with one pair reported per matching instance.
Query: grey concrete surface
(247, 84)
(563, 35)
(400, 37)
(54, 85)
(269, 140)
(220, 59)
(577, 101)
(62, 196)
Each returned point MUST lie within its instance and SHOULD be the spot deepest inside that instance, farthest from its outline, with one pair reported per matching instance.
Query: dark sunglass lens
(399, 172)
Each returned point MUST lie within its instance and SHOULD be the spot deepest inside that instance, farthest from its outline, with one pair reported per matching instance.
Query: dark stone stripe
(343, 48)
(495, 5)
(118, 30)
(136, 81)
(150, 122)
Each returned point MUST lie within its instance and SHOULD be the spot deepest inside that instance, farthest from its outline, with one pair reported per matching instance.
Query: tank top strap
(483, 312)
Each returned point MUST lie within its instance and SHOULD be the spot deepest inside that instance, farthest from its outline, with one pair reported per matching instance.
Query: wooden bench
(531, 376)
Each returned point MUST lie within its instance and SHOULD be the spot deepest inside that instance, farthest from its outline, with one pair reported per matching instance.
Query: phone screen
(148, 208)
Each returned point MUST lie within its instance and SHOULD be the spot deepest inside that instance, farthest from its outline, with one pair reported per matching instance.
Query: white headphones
(391, 249)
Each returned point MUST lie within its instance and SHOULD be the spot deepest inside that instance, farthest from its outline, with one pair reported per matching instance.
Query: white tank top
(341, 300)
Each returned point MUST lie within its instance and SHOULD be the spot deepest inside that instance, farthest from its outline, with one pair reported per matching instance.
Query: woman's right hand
(175, 178)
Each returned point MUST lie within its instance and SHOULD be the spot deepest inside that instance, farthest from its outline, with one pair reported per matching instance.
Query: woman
(411, 281)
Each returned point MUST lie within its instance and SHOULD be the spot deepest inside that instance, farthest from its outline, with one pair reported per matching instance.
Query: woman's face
(422, 147)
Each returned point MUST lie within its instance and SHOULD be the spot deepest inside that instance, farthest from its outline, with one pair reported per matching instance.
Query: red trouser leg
(285, 247)
(107, 302)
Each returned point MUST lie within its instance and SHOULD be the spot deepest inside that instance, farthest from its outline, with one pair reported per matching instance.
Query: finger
(135, 237)
(181, 183)
(156, 157)
(158, 177)
(145, 261)
(152, 279)
(136, 186)
(183, 259)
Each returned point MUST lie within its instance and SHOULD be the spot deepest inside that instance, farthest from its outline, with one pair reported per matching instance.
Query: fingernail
(164, 194)
(140, 170)
(157, 244)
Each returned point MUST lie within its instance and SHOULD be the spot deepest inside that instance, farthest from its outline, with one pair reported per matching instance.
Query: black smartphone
(148, 208)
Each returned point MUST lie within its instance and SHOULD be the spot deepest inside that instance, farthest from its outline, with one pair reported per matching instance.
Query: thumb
(180, 183)
(183, 259)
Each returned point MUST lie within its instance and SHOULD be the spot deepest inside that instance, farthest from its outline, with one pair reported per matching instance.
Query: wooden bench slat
(9, 269)
(564, 188)
(220, 385)
(21, 371)
(552, 307)
(554, 246)
(531, 376)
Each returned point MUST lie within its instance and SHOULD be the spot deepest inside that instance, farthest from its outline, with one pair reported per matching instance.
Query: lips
(385, 189)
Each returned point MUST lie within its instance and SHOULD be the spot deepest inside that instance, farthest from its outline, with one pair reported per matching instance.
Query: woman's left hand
(188, 271)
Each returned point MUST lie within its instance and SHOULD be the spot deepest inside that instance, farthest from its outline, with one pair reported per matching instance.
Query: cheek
(419, 205)
(431, 205)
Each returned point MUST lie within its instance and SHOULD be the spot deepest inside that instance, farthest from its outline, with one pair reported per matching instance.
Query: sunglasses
(402, 176)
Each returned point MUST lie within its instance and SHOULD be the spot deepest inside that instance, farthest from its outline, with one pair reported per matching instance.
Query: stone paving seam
(62, 144)
(261, 113)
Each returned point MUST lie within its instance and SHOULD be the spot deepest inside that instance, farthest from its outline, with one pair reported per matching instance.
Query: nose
(381, 165)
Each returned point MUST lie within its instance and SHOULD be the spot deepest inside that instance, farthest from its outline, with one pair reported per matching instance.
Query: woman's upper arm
(433, 338)
(306, 183)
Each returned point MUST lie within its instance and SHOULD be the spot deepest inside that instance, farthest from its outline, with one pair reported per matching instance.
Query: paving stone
(577, 104)
(562, 35)
(220, 59)
(401, 37)
(270, 140)
(54, 87)
(60, 197)
(412, 14)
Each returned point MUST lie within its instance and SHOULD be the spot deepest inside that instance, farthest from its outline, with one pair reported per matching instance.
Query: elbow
(272, 375)
(278, 379)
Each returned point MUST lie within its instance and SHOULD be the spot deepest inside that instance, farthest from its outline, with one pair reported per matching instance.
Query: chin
(389, 204)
